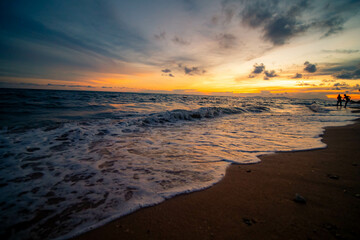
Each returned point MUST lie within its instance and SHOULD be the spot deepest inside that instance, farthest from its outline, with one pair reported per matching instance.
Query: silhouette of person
(347, 99)
(339, 98)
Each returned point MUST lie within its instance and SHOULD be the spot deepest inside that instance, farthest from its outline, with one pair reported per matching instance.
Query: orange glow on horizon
(353, 96)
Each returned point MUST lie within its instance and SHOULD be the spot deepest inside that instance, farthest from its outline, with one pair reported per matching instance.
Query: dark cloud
(166, 70)
(331, 19)
(270, 74)
(341, 86)
(258, 68)
(278, 25)
(297, 75)
(227, 40)
(331, 25)
(281, 29)
(281, 20)
(192, 70)
(340, 67)
(348, 74)
(180, 41)
(256, 13)
(311, 68)
(285, 26)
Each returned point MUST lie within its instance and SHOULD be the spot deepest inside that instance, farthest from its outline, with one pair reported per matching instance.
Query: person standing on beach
(339, 98)
(347, 99)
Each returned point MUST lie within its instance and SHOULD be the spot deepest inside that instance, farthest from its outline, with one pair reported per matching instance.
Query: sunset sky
(294, 48)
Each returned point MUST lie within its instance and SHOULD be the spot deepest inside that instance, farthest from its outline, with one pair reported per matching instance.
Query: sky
(292, 48)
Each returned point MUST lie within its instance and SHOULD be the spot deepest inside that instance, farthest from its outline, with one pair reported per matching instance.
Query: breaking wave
(197, 114)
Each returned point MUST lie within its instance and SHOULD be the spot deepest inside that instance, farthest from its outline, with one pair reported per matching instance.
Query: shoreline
(256, 201)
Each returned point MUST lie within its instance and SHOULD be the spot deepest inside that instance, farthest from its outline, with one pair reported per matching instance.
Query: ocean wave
(197, 114)
(317, 108)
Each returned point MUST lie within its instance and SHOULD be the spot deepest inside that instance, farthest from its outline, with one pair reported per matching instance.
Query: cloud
(297, 75)
(311, 68)
(282, 28)
(341, 86)
(345, 86)
(192, 70)
(45, 45)
(257, 13)
(270, 74)
(228, 12)
(331, 25)
(180, 41)
(278, 25)
(344, 51)
(71, 86)
(166, 70)
(281, 20)
(348, 74)
(303, 84)
(338, 68)
(258, 68)
(227, 40)
(161, 36)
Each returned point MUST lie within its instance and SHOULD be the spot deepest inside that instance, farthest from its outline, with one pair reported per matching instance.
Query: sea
(72, 161)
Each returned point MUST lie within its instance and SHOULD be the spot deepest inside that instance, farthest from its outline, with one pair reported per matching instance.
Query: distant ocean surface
(74, 160)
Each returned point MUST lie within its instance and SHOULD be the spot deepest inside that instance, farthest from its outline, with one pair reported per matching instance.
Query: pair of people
(346, 98)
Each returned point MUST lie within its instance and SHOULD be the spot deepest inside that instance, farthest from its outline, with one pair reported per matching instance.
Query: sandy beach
(257, 201)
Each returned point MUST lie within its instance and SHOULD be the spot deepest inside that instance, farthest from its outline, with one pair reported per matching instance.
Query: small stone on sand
(249, 221)
(299, 199)
(335, 177)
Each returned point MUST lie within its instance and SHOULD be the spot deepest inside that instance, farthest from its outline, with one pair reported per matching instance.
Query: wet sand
(257, 201)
